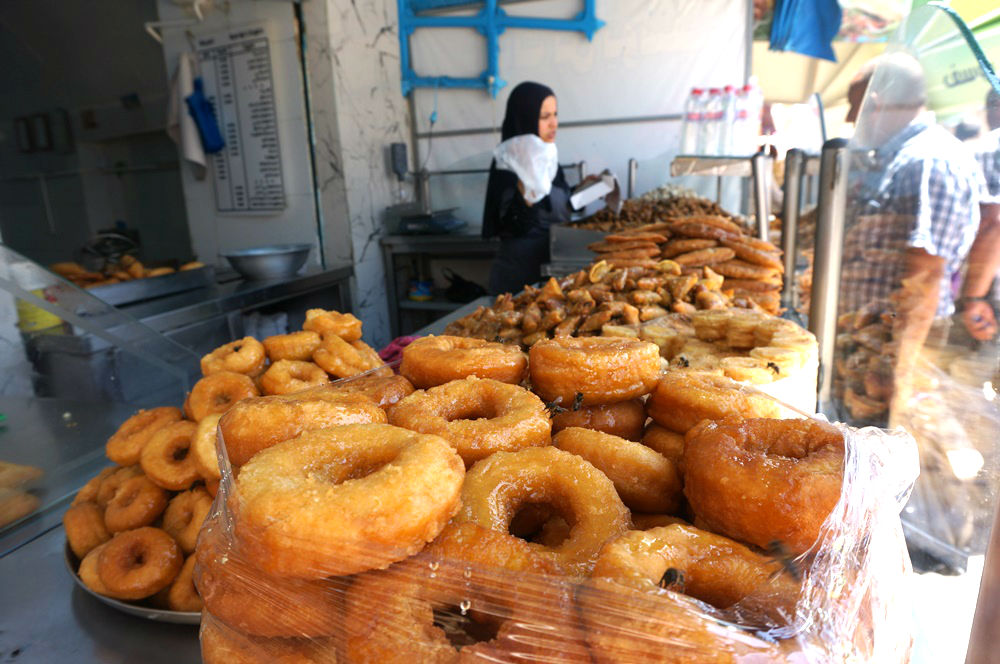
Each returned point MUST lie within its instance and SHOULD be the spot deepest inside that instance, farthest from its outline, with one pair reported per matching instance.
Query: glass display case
(907, 250)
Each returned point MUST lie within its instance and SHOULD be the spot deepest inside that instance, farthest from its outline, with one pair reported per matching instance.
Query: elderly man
(913, 201)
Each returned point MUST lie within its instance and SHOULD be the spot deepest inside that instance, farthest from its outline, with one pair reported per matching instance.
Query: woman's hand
(978, 318)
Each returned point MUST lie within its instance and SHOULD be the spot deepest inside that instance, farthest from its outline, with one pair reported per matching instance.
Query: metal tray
(568, 244)
(148, 612)
(148, 288)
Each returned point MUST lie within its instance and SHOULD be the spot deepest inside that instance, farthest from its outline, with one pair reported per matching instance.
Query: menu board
(236, 73)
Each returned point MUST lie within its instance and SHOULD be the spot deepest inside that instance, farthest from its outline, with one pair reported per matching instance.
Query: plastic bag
(465, 599)
(534, 161)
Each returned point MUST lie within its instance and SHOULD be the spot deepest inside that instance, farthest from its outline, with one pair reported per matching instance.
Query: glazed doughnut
(181, 594)
(88, 493)
(202, 450)
(244, 356)
(648, 521)
(218, 392)
(85, 529)
(478, 416)
(714, 569)
(185, 515)
(498, 487)
(88, 571)
(471, 543)
(137, 503)
(668, 443)
(287, 376)
(255, 424)
(342, 359)
(298, 346)
(645, 480)
(139, 563)
(166, 459)
(386, 391)
(747, 369)
(405, 487)
(624, 419)
(125, 446)
(246, 599)
(684, 398)
(212, 486)
(345, 326)
(111, 483)
(604, 369)
(222, 645)
(425, 610)
(435, 360)
(762, 480)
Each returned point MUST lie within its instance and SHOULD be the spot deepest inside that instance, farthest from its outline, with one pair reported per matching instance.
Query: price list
(236, 71)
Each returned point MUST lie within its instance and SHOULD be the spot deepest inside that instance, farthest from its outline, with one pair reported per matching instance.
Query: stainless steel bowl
(271, 262)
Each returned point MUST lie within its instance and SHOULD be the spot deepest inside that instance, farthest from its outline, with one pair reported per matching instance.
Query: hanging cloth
(806, 26)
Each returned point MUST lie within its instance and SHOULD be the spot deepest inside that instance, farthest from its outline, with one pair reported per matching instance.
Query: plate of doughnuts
(141, 610)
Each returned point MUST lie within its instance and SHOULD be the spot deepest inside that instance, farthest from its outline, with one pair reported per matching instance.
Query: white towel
(180, 124)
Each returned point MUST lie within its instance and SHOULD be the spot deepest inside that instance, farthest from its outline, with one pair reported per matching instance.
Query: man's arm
(983, 263)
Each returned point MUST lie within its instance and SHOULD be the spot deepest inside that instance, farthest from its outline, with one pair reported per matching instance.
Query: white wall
(213, 232)
(641, 63)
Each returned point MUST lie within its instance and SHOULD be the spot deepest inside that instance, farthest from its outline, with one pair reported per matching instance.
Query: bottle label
(693, 117)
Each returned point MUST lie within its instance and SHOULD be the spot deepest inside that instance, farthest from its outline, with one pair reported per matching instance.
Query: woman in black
(523, 228)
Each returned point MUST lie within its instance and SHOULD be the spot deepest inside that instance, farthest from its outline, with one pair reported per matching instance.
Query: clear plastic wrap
(534, 161)
(478, 594)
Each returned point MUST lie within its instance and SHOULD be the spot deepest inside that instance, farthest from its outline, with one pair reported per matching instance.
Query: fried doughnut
(287, 376)
(602, 369)
(255, 424)
(685, 246)
(185, 515)
(645, 480)
(125, 446)
(648, 521)
(244, 356)
(477, 416)
(295, 346)
(471, 543)
(498, 487)
(218, 392)
(111, 483)
(222, 645)
(668, 443)
(354, 498)
(684, 398)
(137, 503)
(88, 492)
(345, 326)
(623, 419)
(246, 599)
(166, 459)
(342, 359)
(85, 529)
(425, 610)
(747, 369)
(181, 594)
(435, 360)
(386, 391)
(708, 256)
(202, 449)
(740, 269)
(139, 563)
(764, 480)
(784, 361)
(88, 571)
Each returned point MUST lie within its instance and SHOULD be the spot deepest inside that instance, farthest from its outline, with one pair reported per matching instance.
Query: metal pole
(826, 266)
(794, 164)
(633, 169)
(761, 163)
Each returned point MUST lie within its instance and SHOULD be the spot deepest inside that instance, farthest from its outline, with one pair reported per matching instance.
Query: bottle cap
(696, 91)
(714, 91)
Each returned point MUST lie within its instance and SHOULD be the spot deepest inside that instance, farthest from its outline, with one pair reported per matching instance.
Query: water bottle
(692, 121)
(711, 121)
(727, 122)
(755, 110)
(744, 134)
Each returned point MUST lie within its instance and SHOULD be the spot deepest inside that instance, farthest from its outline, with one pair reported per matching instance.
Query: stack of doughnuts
(569, 504)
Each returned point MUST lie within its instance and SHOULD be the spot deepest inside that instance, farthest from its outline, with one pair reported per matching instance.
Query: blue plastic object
(203, 114)
(490, 22)
(806, 26)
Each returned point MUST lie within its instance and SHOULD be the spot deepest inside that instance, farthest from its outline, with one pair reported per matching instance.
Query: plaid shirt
(988, 155)
(920, 190)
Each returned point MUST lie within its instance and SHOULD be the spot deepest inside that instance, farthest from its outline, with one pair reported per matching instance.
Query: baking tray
(148, 288)
(568, 244)
(147, 612)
